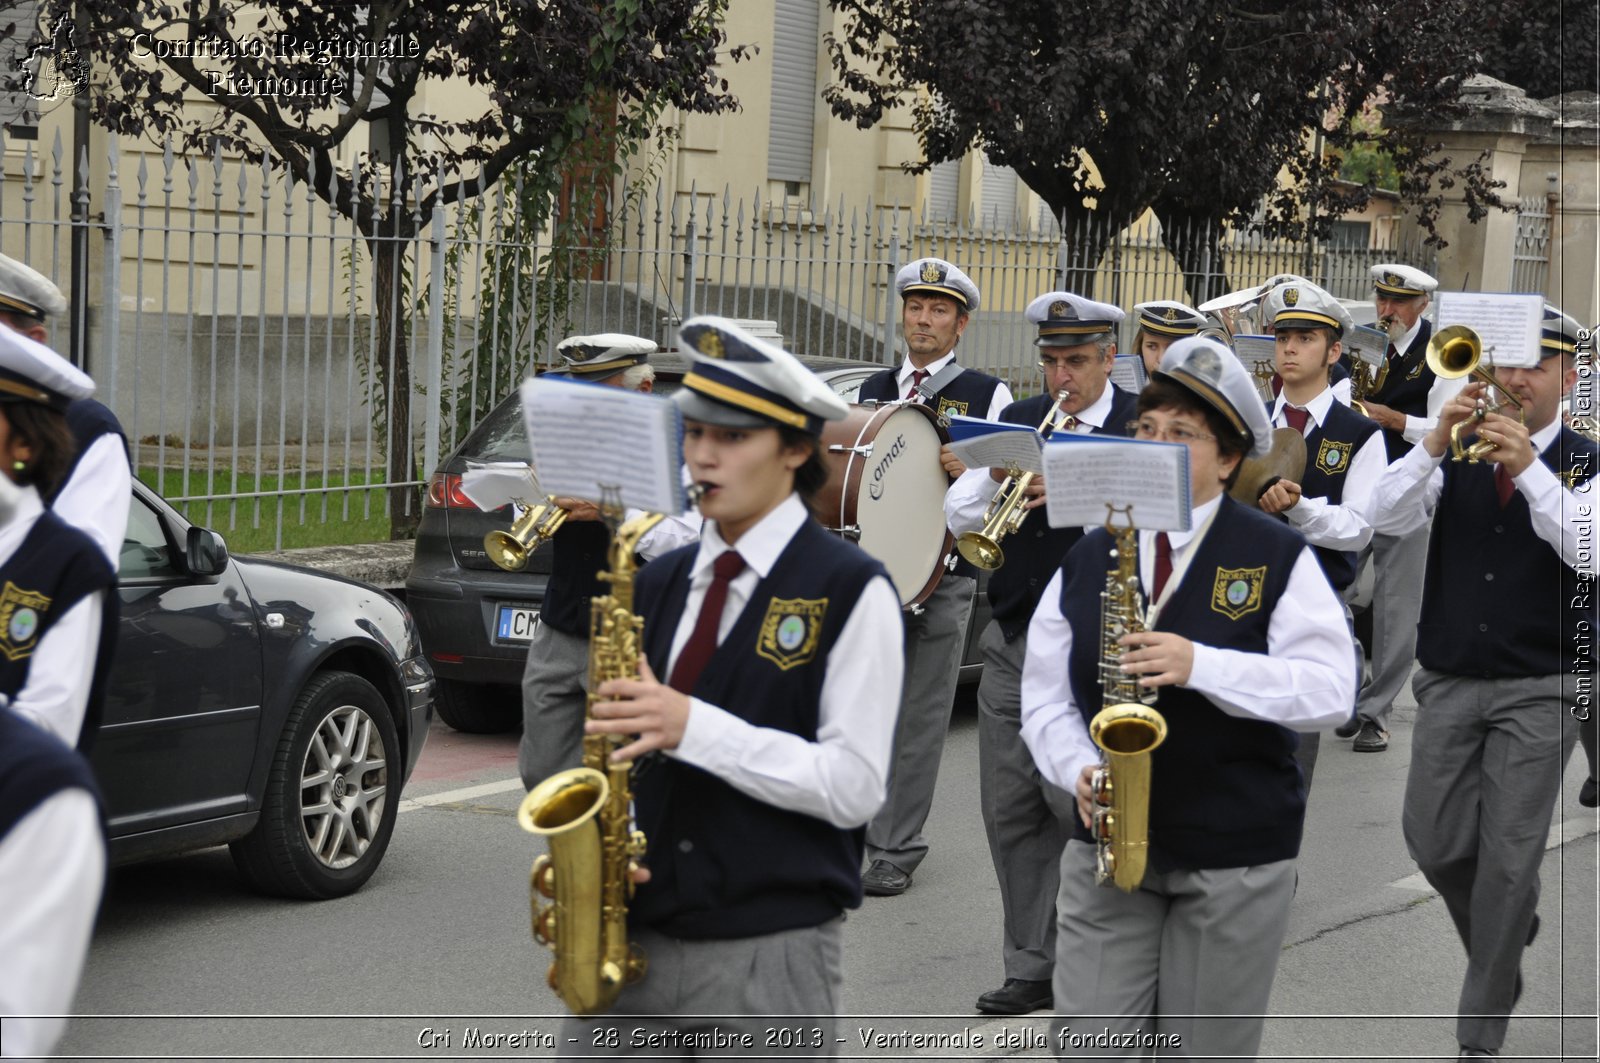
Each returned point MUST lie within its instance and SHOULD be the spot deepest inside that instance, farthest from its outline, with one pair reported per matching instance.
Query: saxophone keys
(543, 876)
(544, 926)
(1100, 786)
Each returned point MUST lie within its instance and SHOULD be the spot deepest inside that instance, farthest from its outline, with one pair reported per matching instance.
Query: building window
(796, 32)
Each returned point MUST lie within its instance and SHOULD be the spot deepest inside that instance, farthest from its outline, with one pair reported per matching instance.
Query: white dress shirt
(52, 865)
(56, 695)
(1442, 391)
(969, 496)
(671, 532)
(96, 498)
(842, 776)
(1002, 394)
(1409, 492)
(1343, 526)
(1305, 681)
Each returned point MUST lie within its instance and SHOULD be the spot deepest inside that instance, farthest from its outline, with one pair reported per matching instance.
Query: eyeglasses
(1172, 433)
(1076, 364)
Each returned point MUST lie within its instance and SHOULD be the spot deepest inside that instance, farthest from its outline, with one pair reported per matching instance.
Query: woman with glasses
(1246, 644)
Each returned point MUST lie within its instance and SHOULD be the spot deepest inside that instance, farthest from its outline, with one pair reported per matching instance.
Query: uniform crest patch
(1393, 280)
(1060, 308)
(1171, 314)
(1237, 591)
(932, 272)
(951, 406)
(791, 631)
(1291, 296)
(19, 620)
(1333, 456)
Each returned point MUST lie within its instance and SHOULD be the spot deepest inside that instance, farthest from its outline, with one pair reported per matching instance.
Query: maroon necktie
(1163, 565)
(917, 377)
(1504, 485)
(1296, 417)
(703, 640)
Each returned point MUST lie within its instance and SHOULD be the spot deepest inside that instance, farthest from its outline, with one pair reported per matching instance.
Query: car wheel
(329, 808)
(478, 708)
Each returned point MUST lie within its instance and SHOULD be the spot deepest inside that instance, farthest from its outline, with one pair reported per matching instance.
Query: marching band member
(1406, 408)
(1248, 645)
(98, 488)
(1028, 819)
(1272, 305)
(1344, 451)
(1493, 730)
(554, 697)
(937, 302)
(1160, 324)
(780, 646)
(55, 578)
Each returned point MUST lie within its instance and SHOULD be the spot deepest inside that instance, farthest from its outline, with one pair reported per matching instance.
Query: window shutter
(796, 33)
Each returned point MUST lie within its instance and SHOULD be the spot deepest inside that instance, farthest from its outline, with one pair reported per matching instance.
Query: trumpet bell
(981, 550)
(506, 551)
(1454, 351)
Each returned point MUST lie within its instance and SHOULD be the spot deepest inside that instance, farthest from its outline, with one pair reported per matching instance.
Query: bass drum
(885, 491)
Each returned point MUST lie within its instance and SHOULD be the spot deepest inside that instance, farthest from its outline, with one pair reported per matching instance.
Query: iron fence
(232, 325)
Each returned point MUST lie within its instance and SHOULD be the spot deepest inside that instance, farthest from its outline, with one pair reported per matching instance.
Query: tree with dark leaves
(1544, 47)
(1192, 108)
(295, 80)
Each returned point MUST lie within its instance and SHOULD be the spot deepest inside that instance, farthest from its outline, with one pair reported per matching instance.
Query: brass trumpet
(1005, 512)
(1457, 351)
(511, 549)
(1366, 380)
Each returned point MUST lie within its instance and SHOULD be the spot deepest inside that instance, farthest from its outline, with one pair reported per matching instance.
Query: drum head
(890, 492)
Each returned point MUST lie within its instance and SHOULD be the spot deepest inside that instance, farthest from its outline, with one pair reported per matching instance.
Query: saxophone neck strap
(1180, 565)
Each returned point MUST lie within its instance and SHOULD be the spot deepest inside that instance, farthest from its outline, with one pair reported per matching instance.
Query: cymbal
(1285, 461)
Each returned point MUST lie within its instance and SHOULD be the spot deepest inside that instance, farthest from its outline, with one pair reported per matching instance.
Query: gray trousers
(554, 702)
(1487, 756)
(934, 642)
(1183, 964)
(1398, 563)
(782, 990)
(1025, 816)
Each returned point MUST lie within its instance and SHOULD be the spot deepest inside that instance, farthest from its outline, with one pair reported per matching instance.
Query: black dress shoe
(883, 879)
(1588, 796)
(1372, 739)
(1017, 997)
(1349, 728)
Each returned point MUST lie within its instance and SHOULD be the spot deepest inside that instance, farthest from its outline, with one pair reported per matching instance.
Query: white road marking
(466, 793)
(1568, 830)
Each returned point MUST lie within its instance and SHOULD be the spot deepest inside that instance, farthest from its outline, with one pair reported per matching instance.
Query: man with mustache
(936, 303)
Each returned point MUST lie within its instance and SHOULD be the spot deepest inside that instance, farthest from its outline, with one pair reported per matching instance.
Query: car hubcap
(343, 786)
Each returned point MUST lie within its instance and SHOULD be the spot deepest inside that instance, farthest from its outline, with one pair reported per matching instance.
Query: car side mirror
(205, 553)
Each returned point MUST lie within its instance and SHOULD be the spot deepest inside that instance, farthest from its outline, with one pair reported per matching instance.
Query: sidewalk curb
(381, 564)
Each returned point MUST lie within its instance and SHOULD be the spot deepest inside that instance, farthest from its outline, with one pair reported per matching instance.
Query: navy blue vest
(1406, 388)
(54, 568)
(35, 765)
(1330, 447)
(578, 554)
(1497, 601)
(968, 395)
(723, 864)
(1035, 551)
(88, 420)
(1224, 792)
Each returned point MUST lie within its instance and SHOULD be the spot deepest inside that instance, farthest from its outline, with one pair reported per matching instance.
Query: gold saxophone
(1367, 380)
(586, 816)
(1126, 729)
(1006, 509)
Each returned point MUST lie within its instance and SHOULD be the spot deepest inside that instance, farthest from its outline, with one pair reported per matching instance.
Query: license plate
(515, 623)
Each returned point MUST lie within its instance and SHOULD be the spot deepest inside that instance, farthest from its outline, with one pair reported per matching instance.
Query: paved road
(438, 940)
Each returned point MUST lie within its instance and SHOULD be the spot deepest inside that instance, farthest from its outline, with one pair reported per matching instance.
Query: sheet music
(1129, 374)
(491, 485)
(1082, 474)
(586, 437)
(1259, 356)
(1509, 324)
(1370, 345)
(984, 444)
